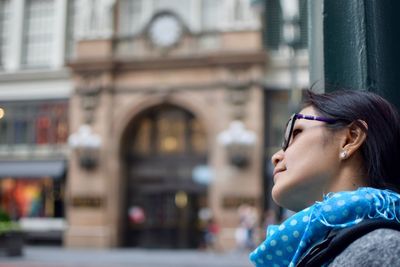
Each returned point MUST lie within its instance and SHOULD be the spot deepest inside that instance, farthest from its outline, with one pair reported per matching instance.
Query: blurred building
(286, 77)
(158, 85)
(34, 90)
(172, 108)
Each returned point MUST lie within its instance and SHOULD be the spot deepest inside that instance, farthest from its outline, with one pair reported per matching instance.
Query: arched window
(168, 130)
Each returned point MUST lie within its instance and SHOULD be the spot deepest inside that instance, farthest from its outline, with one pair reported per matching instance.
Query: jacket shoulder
(380, 247)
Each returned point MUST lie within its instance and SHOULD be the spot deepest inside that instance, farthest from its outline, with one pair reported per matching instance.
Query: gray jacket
(379, 248)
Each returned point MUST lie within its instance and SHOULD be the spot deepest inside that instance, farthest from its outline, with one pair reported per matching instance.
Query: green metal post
(361, 46)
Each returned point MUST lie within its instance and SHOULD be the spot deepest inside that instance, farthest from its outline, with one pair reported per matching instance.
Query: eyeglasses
(292, 120)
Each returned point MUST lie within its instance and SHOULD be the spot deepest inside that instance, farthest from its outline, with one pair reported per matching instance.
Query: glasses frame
(290, 125)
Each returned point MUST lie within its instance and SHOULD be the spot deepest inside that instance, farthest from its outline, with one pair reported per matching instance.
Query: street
(35, 256)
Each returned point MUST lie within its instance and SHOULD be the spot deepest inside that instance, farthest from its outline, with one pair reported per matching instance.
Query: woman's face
(306, 170)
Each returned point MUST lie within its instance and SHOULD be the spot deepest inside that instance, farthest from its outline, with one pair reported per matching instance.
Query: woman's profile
(338, 167)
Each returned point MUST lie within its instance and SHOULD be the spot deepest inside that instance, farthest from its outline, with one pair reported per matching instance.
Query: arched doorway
(161, 148)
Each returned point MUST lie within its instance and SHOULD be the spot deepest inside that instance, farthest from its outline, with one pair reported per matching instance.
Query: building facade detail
(165, 30)
(35, 88)
(156, 93)
(198, 15)
(95, 18)
(157, 104)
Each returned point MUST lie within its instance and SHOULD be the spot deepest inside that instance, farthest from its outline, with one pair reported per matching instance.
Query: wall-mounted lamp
(87, 145)
(238, 142)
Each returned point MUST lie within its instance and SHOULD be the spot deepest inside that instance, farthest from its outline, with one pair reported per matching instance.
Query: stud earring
(343, 154)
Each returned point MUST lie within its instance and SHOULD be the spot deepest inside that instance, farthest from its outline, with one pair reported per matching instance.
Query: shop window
(43, 125)
(60, 123)
(26, 197)
(35, 123)
(20, 131)
(61, 131)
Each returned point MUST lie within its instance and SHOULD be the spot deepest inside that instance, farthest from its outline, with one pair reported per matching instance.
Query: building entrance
(163, 147)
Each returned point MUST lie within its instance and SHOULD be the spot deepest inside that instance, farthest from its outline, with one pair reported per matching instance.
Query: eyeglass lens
(288, 131)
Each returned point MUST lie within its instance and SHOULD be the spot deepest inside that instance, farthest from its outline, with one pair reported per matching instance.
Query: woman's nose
(277, 157)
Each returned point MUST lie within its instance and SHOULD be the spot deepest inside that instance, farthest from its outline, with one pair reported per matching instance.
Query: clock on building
(165, 30)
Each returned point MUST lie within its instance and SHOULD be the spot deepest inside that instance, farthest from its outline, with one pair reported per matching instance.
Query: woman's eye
(296, 132)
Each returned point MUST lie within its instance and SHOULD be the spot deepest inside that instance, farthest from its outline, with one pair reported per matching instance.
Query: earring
(343, 154)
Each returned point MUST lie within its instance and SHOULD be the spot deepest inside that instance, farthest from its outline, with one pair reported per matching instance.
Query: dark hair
(381, 149)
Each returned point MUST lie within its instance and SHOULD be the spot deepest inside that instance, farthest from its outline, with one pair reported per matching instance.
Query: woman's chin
(283, 199)
(277, 195)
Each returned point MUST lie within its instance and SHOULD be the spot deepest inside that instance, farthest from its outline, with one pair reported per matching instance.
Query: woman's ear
(355, 135)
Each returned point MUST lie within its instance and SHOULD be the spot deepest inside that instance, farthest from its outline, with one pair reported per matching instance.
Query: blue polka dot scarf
(285, 244)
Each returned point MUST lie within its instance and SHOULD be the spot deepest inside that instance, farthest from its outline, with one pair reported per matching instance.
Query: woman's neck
(352, 175)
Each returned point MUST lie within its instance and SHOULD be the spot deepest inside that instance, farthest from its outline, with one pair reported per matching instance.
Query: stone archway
(160, 149)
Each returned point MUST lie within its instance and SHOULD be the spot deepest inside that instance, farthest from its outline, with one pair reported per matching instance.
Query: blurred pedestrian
(211, 236)
(245, 232)
(137, 215)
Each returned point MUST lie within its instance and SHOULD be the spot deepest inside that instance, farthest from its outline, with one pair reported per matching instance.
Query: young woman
(338, 166)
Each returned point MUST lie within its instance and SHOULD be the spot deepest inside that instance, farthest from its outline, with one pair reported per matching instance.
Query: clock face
(165, 30)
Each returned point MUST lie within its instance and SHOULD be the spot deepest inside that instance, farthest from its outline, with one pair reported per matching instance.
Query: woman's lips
(276, 171)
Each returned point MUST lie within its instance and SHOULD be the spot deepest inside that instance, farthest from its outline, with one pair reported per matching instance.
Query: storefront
(33, 164)
(32, 193)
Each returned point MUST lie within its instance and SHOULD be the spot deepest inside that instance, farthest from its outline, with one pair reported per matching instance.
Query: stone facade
(216, 77)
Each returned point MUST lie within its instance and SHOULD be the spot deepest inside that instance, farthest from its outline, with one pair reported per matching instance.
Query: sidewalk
(62, 257)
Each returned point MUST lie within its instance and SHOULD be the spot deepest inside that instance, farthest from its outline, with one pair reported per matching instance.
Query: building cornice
(34, 75)
(186, 87)
(193, 61)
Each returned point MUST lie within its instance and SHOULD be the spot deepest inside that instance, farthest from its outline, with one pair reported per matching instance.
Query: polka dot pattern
(327, 208)
(285, 244)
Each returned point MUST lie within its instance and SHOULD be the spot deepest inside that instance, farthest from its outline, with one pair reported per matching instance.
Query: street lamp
(238, 142)
(87, 145)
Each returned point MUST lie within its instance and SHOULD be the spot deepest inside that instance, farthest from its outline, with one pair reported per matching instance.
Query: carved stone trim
(89, 88)
(131, 64)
